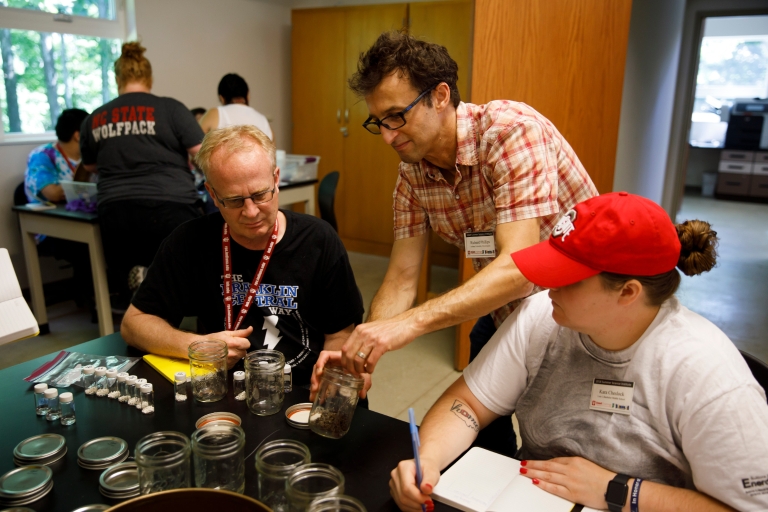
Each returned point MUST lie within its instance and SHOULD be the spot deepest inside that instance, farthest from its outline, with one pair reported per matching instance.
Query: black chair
(759, 369)
(326, 194)
(19, 196)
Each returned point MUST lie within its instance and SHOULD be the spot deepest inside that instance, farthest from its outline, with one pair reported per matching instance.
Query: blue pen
(416, 444)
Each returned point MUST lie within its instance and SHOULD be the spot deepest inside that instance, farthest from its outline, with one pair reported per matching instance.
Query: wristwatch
(616, 494)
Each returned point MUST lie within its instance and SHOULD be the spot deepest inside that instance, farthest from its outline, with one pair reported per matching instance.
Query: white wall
(193, 43)
(649, 88)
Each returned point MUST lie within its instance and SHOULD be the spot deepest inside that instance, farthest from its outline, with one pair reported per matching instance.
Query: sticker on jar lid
(298, 415)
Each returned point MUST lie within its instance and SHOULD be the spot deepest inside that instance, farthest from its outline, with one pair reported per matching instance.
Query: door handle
(338, 115)
(346, 115)
(344, 131)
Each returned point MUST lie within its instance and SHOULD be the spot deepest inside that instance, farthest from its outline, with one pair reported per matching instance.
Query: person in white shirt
(627, 400)
(234, 97)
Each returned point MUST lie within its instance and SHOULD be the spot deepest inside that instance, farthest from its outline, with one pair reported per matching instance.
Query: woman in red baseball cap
(626, 399)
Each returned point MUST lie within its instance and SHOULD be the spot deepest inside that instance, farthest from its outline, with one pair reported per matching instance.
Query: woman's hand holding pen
(402, 485)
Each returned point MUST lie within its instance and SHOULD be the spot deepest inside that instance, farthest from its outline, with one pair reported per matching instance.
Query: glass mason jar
(335, 403)
(208, 369)
(275, 461)
(336, 504)
(218, 454)
(264, 381)
(163, 462)
(312, 481)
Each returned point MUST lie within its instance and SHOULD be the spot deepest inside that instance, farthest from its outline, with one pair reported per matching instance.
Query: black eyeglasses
(392, 121)
(238, 202)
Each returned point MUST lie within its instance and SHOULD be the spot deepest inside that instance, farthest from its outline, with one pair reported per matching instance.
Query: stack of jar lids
(225, 418)
(25, 485)
(102, 453)
(297, 415)
(120, 481)
(40, 450)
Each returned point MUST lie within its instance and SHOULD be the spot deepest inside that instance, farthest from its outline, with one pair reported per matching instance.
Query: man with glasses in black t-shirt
(254, 276)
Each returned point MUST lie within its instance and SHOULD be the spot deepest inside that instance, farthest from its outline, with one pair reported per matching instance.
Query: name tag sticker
(611, 396)
(480, 244)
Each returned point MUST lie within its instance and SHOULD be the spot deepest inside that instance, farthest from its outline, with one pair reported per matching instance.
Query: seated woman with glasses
(689, 431)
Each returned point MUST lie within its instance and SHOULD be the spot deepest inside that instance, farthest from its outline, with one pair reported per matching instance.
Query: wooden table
(298, 192)
(76, 226)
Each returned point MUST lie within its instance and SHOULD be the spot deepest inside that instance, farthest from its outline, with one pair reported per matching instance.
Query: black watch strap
(616, 494)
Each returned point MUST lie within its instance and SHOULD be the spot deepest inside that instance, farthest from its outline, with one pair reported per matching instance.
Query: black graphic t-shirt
(139, 142)
(308, 289)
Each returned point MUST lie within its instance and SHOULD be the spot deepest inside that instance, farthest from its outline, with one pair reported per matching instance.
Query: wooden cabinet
(328, 117)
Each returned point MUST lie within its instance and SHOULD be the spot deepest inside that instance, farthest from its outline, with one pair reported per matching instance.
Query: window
(52, 62)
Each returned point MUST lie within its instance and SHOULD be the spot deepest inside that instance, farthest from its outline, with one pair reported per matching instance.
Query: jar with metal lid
(275, 461)
(112, 385)
(311, 481)
(264, 381)
(147, 399)
(341, 503)
(335, 403)
(208, 369)
(218, 457)
(54, 409)
(137, 393)
(41, 403)
(89, 379)
(163, 462)
(102, 382)
(67, 404)
(130, 390)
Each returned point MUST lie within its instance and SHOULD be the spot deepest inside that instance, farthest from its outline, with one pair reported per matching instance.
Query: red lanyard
(71, 167)
(251, 295)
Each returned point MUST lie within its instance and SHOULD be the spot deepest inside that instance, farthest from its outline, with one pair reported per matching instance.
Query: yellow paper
(167, 366)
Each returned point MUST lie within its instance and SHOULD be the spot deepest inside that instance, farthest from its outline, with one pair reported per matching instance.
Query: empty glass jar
(335, 403)
(264, 381)
(312, 481)
(336, 504)
(275, 461)
(218, 456)
(163, 462)
(208, 369)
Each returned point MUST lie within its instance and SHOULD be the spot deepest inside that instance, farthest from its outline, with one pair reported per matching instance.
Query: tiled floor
(734, 296)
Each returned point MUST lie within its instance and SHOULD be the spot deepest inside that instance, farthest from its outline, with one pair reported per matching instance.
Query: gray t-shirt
(698, 418)
(139, 143)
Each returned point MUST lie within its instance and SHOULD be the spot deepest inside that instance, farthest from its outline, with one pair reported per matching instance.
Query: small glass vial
(137, 392)
(89, 379)
(287, 378)
(112, 384)
(54, 410)
(130, 390)
(41, 403)
(102, 383)
(67, 404)
(180, 386)
(147, 399)
(238, 385)
(122, 377)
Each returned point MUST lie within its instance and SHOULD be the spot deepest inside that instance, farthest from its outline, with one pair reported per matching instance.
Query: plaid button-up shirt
(511, 164)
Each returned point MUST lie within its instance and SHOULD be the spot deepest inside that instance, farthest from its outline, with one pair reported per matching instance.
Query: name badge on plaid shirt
(479, 244)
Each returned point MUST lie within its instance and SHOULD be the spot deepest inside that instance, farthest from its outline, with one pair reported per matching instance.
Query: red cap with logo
(619, 233)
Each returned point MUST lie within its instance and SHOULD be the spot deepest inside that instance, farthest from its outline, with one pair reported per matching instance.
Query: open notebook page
(522, 495)
(16, 320)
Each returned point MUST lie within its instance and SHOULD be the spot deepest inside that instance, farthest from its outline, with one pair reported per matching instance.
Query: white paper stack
(16, 319)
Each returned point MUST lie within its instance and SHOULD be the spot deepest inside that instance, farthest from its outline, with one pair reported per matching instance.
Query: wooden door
(448, 24)
(318, 77)
(565, 58)
(370, 165)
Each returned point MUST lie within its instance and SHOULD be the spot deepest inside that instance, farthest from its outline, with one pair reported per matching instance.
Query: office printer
(747, 125)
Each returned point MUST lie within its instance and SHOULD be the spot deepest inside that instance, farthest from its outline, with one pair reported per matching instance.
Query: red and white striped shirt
(511, 164)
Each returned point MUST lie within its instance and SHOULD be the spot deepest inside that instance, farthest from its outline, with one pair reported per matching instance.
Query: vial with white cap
(180, 386)
(130, 390)
(238, 385)
(137, 392)
(41, 403)
(102, 383)
(122, 378)
(112, 384)
(54, 411)
(67, 408)
(287, 378)
(89, 380)
(147, 399)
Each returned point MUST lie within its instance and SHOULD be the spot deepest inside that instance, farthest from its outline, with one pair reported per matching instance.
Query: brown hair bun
(132, 66)
(133, 51)
(698, 253)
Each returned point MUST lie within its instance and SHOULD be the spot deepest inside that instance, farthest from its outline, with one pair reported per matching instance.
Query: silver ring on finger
(362, 355)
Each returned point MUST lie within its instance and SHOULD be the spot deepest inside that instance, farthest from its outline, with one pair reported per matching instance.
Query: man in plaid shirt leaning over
(480, 176)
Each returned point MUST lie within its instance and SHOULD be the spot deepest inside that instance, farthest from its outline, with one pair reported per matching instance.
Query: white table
(76, 226)
(298, 192)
